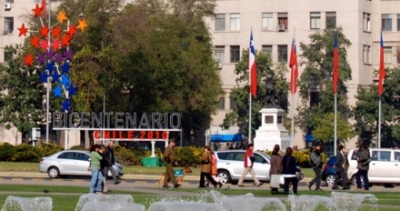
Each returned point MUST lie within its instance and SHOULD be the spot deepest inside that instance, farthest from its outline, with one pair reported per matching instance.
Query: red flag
(335, 63)
(294, 67)
(252, 68)
(382, 72)
(43, 8)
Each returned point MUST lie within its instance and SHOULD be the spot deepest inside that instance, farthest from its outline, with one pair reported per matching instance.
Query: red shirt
(247, 161)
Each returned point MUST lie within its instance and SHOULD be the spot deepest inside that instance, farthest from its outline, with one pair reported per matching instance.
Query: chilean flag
(43, 7)
(382, 72)
(335, 63)
(294, 66)
(252, 68)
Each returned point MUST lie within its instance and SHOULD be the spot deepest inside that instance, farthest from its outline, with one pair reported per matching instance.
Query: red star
(35, 41)
(71, 31)
(37, 10)
(22, 30)
(44, 31)
(56, 31)
(65, 40)
(55, 45)
(44, 45)
(29, 60)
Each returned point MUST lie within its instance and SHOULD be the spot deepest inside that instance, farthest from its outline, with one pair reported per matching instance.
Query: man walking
(169, 158)
(110, 161)
(248, 166)
(340, 168)
(316, 161)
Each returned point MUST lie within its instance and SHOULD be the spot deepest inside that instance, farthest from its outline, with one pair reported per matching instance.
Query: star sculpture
(55, 45)
(22, 30)
(58, 58)
(40, 59)
(66, 105)
(82, 25)
(56, 31)
(68, 54)
(55, 75)
(35, 41)
(50, 66)
(44, 31)
(57, 91)
(43, 77)
(44, 44)
(61, 16)
(65, 80)
(71, 31)
(29, 59)
(37, 11)
(65, 68)
(65, 40)
(72, 90)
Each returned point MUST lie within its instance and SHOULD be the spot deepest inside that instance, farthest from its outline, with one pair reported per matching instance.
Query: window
(8, 25)
(7, 55)
(220, 22)
(82, 156)
(387, 54)
(282, 21)
(267, 21)
(381, 155)
(282, 53)
(235, 22)
(366, 22)
(219, 55)
(232, 104)
(315, 20)
(330, 20)
(367, 54)
(221, 103)
(398, 54)
(67, 155)
(398, 22)
(11, 1)
(267, 49)
(386, 22)
(235, 53)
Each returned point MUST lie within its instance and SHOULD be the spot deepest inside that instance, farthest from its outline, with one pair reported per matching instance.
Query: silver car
(71, 162)
(230, 166)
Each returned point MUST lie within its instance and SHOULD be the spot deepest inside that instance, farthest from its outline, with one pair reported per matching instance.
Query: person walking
(363, 160)
(340, 168)
(276, 169)
(316, 162)
(205, 162)
(290, 171)
(109, 162)
(248, 167)
(169, 158)
(95, 168)
(214, 171)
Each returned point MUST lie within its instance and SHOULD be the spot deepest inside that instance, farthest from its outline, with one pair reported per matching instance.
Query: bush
(78, 147)
(6, 151)
(302, 157)
(48, 149)
(26, 153)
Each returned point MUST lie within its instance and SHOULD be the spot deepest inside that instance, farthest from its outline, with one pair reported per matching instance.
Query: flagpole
(379, 122)
(250, 99)
(335, 128)
(293, 93)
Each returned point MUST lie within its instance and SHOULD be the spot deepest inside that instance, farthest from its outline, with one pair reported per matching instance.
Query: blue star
(55, 75)
(65, 68)
(57, 91)
(43, 77)
(72, 90)
(50, 66)
(65, 105)
(40, 59)
(58, 58)
(65, 80)
(68, 54)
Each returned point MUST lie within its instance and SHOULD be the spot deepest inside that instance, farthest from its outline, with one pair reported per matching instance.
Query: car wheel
(224, 176)
(330, 180)
(53, 172)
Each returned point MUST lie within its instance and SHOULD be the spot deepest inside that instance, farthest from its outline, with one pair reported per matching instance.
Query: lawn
(65, 198)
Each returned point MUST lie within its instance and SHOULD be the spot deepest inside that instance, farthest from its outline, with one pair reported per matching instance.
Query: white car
(230, 166)
(383, 169)
(70, 162)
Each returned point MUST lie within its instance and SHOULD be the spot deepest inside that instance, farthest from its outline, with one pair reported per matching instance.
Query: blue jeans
(96, 181)
(364, 174)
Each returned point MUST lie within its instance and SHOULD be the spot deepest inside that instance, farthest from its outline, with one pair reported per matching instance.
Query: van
(383, 169)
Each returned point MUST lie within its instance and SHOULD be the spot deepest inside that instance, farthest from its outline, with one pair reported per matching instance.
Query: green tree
(366, 110)
(267, 75)
(325, 128)
(316, 81)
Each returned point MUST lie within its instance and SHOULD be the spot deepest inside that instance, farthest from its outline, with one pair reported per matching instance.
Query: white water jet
(176, 205)
(310, 203)
(113, 199)
(108, 206)
(350, 202)
(27, 204)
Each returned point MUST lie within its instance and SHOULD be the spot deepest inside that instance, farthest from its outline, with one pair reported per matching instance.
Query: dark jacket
(109, 156)
(339, 165)
(363, 155)
(289, 165)
(276, 164)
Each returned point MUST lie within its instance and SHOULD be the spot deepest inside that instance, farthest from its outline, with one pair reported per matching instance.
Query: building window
(7, 55)
(282, 53)
(366, 22)
(235, 22)
(235, 53)
(330, 20)
(398, 56)
(219, 55)
(398, 22)
(8, 25)
(9, 1)
(232, 104)
(387, 55)
(267, 21)
(386, 22)
(367, 54)
(282, 21)
(221, 105)
(220, 22)
(315, 20)
(267, 49)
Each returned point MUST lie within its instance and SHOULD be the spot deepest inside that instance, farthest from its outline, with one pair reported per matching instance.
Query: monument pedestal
(271, 131)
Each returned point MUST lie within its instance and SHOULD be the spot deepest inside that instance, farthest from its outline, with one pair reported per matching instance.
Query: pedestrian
(340, 168)
(169, 158)
(316, 162)
(110, 161)
(248, 167)
(205, 170)
(276, 169)
(290, 171)
(214, 171)
(103, 164)
(363, 160)
(95, 168)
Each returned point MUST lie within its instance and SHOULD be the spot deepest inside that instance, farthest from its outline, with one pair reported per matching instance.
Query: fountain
(347, 201)
(27, 204)
(310, 203)
(108, 206)
(112, 199)
(176, 205)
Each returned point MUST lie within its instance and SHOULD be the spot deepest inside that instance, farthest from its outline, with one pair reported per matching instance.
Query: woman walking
(276, 169)
(289, 169)
(205, 162)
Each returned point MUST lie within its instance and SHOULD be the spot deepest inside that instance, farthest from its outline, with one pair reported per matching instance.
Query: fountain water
(108, 206)
(347, 201)
(176, 205)
(112, 199)
(27, 204)
(310, 203)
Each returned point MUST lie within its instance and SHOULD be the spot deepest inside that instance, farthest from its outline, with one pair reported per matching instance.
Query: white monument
(271, 131)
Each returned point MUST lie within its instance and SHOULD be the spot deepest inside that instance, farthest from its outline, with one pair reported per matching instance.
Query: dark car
(329, 172)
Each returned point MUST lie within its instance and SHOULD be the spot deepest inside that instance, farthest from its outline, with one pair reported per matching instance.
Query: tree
(325, 131)
(267, 75)
(366, 110)
(316, 81)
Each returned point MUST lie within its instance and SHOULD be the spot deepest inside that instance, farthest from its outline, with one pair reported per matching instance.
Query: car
(329, 172)
(71, 162)
(230, 166)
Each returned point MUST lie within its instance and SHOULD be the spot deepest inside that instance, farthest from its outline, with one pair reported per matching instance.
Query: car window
(223, 155)
(381, 155)
(259, 158)
(82, 156)
(354, 155)
(239, 156)
(67, 155)
(397, 156)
